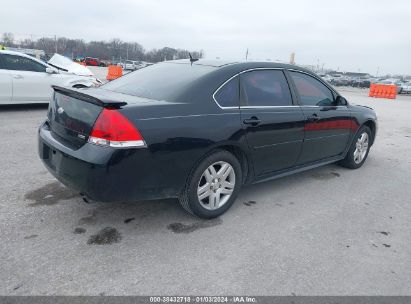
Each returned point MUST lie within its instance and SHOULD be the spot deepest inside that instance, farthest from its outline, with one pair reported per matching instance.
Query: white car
(131, 65)
(134, 65)
(392, 82)
(25, 79)
(406, 88)
(327, 78)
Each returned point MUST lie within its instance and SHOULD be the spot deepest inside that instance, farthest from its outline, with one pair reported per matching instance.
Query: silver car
(405, 88)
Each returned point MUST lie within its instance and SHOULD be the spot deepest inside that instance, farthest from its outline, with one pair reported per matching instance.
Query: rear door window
(265, 88)
(229, 94)
(19, 63)
(311, 91)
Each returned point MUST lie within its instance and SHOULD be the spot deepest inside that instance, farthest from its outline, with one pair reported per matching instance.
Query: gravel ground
(328, 231)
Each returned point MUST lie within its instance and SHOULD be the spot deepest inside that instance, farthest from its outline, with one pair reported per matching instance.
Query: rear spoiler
(77, 93)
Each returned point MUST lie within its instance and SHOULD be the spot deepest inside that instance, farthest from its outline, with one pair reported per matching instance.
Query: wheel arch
(238, 151)
(373, 127)
(79, 85)
(78, 82)
(244, 159)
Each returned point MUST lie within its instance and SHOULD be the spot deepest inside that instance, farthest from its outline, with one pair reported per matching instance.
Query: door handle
(17, 76)
(254, 121)
(313, 118)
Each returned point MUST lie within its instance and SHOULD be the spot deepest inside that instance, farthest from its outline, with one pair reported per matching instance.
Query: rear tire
(358, 152)
(213, 185)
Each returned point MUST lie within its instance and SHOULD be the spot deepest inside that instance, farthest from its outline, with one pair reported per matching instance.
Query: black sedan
(198, 131)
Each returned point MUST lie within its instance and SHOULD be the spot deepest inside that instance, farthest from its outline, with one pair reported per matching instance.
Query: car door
(6, 84)
(327, 124)
(31, 83)
(273, 122)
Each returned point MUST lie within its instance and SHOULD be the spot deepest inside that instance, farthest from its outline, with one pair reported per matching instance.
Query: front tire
(213, 185)
(358, 152)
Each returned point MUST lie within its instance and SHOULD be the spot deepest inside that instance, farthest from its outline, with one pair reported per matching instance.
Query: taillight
(113, 129)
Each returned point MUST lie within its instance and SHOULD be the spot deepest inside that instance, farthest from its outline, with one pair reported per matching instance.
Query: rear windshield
(159, 81)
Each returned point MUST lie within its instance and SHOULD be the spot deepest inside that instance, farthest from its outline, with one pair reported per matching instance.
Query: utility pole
(55, 40)
(246, 55)
(292, 58)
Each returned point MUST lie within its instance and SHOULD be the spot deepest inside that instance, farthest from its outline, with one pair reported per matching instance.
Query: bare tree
(8, 39)
(48, 45)
(113, 50)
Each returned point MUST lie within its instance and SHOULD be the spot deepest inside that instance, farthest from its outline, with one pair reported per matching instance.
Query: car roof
(14, 53)
(206, 62)
(23, 55)
(219, 63)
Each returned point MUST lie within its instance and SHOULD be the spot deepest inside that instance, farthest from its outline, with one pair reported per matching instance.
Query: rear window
(159, 81)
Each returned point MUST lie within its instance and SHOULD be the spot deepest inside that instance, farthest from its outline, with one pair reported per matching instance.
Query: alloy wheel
(216, 185)
(361, 148)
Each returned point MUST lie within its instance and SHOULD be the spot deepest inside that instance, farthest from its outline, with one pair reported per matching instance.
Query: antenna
(192, 59)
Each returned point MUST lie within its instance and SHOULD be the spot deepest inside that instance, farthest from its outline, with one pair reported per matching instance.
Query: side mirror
(341, 101)
(51, 71)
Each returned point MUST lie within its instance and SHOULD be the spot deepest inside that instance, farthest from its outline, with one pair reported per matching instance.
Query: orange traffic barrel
(114, 72)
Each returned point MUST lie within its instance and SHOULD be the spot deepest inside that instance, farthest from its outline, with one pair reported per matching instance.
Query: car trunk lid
(72, 114)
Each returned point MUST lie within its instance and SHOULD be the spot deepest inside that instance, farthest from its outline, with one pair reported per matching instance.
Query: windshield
(159, 81)
(60, 61)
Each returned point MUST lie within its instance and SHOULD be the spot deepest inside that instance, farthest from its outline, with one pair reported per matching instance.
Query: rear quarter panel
(178, 136)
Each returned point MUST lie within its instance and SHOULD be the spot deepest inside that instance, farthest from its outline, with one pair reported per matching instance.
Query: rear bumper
(102, 173)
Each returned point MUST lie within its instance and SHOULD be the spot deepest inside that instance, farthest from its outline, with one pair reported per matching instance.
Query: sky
(358, 36)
